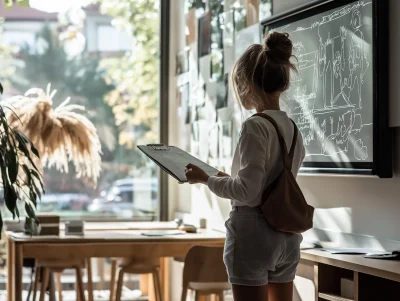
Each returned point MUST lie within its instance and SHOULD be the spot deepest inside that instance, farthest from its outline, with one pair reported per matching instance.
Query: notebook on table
(173, 160)
(163, 233)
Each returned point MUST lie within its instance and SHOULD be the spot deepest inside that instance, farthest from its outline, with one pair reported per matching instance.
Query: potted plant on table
(20, 178)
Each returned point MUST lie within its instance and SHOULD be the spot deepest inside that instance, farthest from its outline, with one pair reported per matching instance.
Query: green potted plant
(20, 178)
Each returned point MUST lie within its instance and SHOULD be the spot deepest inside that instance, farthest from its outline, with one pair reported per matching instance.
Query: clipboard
(173, 160)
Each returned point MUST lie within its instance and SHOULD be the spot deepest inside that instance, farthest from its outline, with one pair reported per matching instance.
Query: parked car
(127, 197)
(50, 202)
(63, 202)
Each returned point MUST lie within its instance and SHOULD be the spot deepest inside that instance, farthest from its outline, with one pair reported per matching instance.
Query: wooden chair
(47, 267)
(139, 266)
(205, 273)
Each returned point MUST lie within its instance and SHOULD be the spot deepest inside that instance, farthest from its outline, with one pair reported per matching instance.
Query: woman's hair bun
(278, 47)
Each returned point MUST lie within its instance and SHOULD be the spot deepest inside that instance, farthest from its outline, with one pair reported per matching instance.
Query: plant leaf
(32, 196)
(31, 212)
(38, 194)
(10, 197)
(23, 148)
(1, 89)
(28, 226)
(26, 139)
(12, 164)
(17, 210)
(27, 173)
(37, 176)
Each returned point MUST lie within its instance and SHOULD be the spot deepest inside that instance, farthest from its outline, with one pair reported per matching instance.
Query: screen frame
(381, 164)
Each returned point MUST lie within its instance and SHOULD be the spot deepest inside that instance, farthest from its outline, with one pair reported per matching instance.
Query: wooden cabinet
(372, 280)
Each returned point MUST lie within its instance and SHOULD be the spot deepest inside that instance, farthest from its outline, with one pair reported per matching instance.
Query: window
(111, 39)
(95, 59)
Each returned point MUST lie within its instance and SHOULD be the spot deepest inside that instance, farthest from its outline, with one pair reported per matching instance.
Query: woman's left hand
(196, 175)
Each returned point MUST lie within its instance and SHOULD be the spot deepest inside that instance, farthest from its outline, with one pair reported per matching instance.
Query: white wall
(347, 204)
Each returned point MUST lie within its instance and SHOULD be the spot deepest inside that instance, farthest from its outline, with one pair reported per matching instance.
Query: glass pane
(104, 55)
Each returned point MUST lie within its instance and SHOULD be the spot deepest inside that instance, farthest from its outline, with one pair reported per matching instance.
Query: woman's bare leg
(253, 293)
(280, 291)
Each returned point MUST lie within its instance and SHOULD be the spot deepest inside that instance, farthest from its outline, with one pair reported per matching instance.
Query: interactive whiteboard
(334, 98)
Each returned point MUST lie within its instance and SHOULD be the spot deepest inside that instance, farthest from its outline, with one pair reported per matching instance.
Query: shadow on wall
(354, 204)
(205, 204)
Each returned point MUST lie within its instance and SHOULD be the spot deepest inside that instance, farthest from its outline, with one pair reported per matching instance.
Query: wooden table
(113, 243)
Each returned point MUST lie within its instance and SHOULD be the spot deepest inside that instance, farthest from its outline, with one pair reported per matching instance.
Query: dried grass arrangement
(61, 135)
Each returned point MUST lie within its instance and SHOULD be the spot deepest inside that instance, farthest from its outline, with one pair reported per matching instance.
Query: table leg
(52, 287)
(112, 280)
(144, 284)
(152, 294)
(164, 274)
(10, 265)
(18, 272)
(90, 279)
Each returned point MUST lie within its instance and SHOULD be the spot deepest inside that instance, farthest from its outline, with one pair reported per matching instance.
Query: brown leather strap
(294, 141)
(287, 157)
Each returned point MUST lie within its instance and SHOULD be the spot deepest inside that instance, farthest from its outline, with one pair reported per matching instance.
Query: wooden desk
(373, 279)
(124, 243)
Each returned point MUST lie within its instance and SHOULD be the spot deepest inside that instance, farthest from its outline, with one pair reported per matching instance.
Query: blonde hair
(263, 69)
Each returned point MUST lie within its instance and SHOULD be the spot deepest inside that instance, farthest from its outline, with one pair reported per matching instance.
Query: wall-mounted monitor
(339, 98)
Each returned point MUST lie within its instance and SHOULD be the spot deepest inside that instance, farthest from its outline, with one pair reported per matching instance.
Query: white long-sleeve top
(257, 161)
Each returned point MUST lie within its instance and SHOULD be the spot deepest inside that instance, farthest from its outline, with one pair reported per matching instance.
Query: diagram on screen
(331, 98)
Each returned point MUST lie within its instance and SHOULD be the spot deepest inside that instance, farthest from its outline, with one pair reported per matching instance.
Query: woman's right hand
(222, 174)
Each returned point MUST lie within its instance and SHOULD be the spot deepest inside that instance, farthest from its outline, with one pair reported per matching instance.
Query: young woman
(261, 262)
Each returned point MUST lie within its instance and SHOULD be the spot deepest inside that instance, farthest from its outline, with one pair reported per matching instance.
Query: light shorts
(255, 253)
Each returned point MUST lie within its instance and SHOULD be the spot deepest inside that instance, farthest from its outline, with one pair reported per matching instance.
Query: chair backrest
(204, 264)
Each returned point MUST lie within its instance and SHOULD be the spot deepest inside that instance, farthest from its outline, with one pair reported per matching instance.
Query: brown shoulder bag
(284, 205)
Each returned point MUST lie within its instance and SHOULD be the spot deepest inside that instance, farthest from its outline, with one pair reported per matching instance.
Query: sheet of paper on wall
(182, 61)
(204, 131)
(194, 141)
(252, 12)
(213, 145)
(229, 58)
(225, 114)
(246, 37)
(193, 64)
(205, 69)
(191, 26)
(211, 90)
(199, 93)
(225, 124)
(173, 160)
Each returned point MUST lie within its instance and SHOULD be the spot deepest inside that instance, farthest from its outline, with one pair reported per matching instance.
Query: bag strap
(294, 141)
(287, 157)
